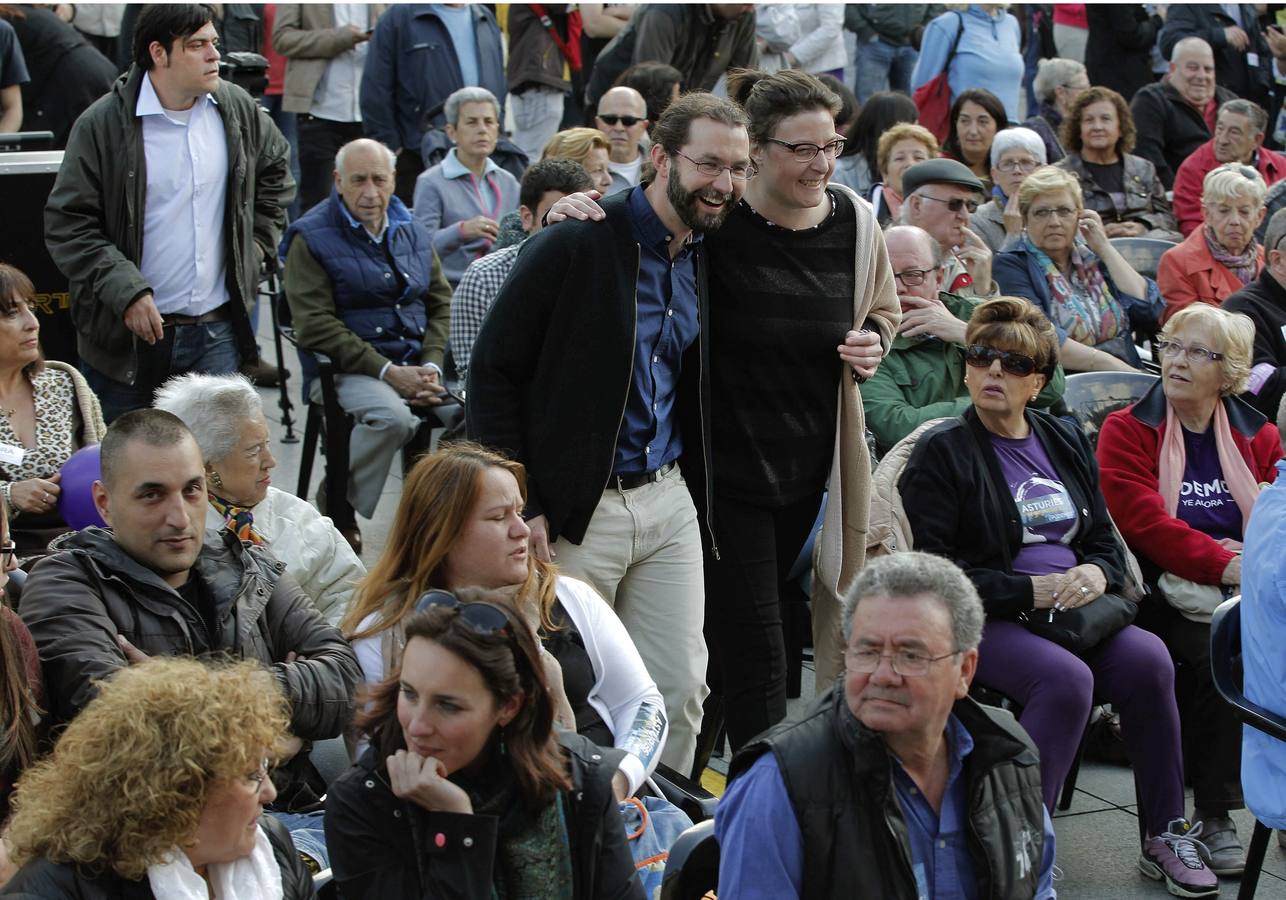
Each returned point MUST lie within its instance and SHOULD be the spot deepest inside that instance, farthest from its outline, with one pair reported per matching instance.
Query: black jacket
(1232, 66)
(959, 506)
(383, 848)
(1264, 300)
(1118, 52)
(1170, 129)
(837, 774)
(42, 880)
(551, 368)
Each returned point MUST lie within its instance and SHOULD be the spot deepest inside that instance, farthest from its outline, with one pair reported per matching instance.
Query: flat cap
(939, 171)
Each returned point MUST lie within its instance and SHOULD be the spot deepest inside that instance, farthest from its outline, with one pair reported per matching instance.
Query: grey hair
(468, 95)
(935, 249)
(1189, 43)
(1276, 231)
(1017, 138)
(213, 407)
(1233, 332)
(905, 575)
(1232, 180)
(344, 151)
(1252, 111)
(1052, 74)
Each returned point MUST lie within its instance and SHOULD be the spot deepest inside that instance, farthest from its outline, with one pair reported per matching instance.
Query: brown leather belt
(215, 315)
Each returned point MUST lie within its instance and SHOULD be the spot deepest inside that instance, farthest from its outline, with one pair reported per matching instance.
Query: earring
(215, 479)
(1034, 396)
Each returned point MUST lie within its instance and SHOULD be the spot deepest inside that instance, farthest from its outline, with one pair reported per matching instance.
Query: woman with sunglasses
(466, 790)
(1066, 265)
(1181, 469)
(1012, 495)
(459, 524)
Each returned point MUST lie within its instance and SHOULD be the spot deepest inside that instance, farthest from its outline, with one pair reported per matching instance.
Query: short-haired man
(622, 116)
(1176, 115)
(365, 288)
(922, 378)
(543, 185)
(592, 355)
(156, 583)
(941, 195)
(895, 783)
(1239, 138)
(172, 191)
(1264, 301)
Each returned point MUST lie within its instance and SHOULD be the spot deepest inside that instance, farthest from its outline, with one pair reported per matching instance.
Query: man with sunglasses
(622, 117)
(941, 195)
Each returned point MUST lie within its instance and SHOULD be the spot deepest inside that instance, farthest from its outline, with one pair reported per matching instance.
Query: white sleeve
(370, 652)
(829, 25)
(336, 568)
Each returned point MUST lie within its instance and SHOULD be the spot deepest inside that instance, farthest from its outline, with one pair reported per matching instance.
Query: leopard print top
(57, 424)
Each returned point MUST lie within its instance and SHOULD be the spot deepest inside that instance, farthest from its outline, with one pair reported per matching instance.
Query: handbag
(652, 825)
(933, 98)
(1085, 627)
(1196, 602)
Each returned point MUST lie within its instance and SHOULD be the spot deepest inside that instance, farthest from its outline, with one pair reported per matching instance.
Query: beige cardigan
(92, 426)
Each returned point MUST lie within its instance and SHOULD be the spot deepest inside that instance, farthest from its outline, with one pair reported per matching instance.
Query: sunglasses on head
(627, 121)
(981, 357)
(482, 618)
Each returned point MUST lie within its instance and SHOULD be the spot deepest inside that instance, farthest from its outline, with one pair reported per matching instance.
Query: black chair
(1092, 396)
(692, 869)
(1143, 254)
(685, 793)
(1226, 667)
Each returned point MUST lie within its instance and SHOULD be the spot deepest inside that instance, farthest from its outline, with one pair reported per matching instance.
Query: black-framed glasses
(481, 617)
(8, 552)
(981, 357)
(912, 277)
(739, 172)
(907, 663)
(806, 153)
(627, 121)
(1195, 354)
(955, 204)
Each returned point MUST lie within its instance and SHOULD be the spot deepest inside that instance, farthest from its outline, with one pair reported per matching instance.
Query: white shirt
(628, 171)
(187, 184)
(337, 94)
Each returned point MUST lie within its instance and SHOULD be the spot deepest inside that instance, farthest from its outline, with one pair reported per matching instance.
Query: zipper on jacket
(634, 337)
(707, 457)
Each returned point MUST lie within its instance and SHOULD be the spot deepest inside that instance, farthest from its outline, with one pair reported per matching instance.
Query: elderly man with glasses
(940, 196)
(895, 783)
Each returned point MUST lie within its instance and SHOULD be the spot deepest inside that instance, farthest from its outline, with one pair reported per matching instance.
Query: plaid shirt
(473, 297)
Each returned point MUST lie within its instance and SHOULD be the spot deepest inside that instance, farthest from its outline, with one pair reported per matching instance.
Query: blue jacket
(411, 69)
(1019, 274)
(367, 295)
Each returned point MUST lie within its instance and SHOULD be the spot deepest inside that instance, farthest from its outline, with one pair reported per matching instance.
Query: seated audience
(1122, 188)
(923, 375)
(1264, 301)
(901, 147)
(462, 199)
(225, 415)
(365, 288)
(47, 413)
(459, 524)
(658, 82)
(1015, 154)
(961, 488)
(939, 195)
(543, 184)
(1238, 139)
(157, 791)
(1181, 469)
(857, 166)
(622, 117)
(1274, 200)
(1057, 84)
(976, 116)
(588, 148)
(466, 790)
(1066, 265)
(876, 787)
(1220, 258)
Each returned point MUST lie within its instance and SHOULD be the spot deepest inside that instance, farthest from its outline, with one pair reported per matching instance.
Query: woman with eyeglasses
(466, 790)
(1181, 470)
(156, 791)
(1066, 265)
(1222, 256)
(1015, 154)
(1012, 495)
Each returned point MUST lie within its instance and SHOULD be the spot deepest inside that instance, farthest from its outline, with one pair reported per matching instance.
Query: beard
(685, 205)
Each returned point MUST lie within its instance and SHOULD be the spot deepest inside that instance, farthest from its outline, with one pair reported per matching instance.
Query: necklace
(7, 412)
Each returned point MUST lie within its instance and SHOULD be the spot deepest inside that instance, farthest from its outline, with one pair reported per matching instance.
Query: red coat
(1128, 453)
(1188, 273)
(1191, 176)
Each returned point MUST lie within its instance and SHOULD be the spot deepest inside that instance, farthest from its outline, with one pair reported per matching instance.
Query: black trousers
(319, 141)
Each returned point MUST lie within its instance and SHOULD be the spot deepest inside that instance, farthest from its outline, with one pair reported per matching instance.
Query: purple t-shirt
(1045, 508)
(1205, 502)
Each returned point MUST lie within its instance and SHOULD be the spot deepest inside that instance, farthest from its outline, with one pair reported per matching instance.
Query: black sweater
(1264, 300)
(1170, 130)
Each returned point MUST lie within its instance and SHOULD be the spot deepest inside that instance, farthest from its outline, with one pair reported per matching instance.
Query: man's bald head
(1192, 71)
(912, 249)
(622, 117)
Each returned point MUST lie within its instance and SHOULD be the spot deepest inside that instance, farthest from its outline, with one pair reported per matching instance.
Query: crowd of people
(704, 282)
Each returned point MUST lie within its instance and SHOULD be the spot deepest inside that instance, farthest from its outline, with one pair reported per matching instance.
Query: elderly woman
(1122, 188)
(976, 116)
(225, 414)
(1012, 496)
(47, 413)
(1066, 266)
(1181, 469)
(1015, 154)
(156, 790)
(1221, 257)
(901, 147)
(1057, 84)
(462, 199)
(587, 146)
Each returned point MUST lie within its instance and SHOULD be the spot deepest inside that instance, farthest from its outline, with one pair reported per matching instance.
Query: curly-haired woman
(155, 791)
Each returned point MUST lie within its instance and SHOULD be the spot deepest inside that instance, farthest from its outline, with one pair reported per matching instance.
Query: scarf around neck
(1241, 481)
(1082, 302)
(253, 877)
(240, 520)
(1241, 265)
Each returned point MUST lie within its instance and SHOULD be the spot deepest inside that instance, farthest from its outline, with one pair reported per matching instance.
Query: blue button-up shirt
(667, 321)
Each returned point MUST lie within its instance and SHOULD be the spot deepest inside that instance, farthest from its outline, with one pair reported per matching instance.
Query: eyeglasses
(981, 357)
(1018, 165)
(907, 663)
(955, 204)
(912, 277)
(1058, 212)
(258, 776)
(627, 121)
(739, 172)
(808, 152)
(7, 553)
(1196, 355)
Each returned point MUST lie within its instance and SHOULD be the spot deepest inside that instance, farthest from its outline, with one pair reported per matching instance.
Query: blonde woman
(587, 146)
(901, 147)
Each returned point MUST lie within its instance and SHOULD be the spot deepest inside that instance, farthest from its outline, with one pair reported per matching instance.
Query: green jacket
(923, 379)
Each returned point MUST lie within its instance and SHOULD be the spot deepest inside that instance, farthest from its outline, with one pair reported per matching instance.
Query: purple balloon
(76, 499)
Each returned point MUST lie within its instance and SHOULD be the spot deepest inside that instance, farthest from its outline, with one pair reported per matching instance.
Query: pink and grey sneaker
(1181, 859)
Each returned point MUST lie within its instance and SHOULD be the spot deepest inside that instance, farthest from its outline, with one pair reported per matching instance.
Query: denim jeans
(307, 832)
(209, 349)
(883, 67)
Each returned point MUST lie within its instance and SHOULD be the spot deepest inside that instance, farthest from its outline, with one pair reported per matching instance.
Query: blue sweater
(989, 55)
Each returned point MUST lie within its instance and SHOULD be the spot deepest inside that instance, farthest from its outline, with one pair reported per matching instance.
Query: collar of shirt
(453, 168)
(149, 104)
(959, 745)
(355, 223)
(649, 228)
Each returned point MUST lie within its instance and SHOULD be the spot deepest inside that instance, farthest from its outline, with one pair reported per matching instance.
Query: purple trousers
(1131, 670)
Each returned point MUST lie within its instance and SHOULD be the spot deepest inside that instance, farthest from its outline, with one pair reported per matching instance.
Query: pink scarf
(1241, 481)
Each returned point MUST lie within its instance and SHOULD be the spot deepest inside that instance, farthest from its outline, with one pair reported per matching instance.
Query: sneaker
(1227, 856)
(1180, 859)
